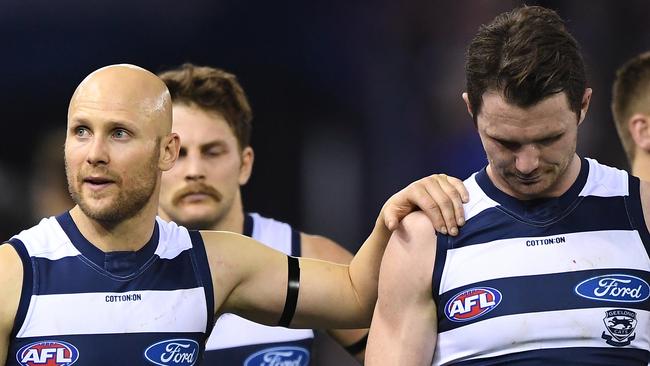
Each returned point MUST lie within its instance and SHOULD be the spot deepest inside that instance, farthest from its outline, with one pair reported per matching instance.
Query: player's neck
(233, 220)
(641, 165)
(127, 235)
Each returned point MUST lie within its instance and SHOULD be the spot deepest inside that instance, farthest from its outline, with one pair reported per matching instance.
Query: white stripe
(581, 251)
(605, 181)
(272, 233)
(532, 331)
(233, 331)
(47, 240)
(173, 239)
(478, 200)
(90, 313)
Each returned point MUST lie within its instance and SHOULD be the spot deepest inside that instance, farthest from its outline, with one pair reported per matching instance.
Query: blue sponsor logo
(614, 287)
(279, 356)
(57, 353)
(177, 352)
(472, 303)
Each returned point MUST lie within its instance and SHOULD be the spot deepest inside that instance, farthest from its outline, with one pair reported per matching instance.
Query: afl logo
(51, 353)
(182, 352)
(471, 304)
(614, 287)
(279, 356)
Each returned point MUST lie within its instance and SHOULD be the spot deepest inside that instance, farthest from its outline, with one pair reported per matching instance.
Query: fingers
(456, 191)
(443, 206)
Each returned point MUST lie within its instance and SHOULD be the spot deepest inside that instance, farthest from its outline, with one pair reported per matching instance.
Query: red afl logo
(472, 303)
(50, 353)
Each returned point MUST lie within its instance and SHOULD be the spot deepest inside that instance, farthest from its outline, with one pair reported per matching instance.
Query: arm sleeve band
(293, 286)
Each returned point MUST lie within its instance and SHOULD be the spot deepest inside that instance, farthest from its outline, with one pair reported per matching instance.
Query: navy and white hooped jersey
(83, 306)
(237, 341)
(558, 281)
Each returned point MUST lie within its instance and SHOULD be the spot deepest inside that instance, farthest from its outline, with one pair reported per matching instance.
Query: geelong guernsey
(559, 281)
(237, 341)
(83, 306)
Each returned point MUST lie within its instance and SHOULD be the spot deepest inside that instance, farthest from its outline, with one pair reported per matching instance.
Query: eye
(550, 140)
(81, 131)
(215, 151)
(508, 144)
(182, 152)
(120, 134)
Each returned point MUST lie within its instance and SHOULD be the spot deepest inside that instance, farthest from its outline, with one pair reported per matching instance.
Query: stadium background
(352, 100)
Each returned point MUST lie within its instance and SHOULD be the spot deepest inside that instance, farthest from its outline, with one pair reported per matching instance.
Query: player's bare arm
(11, 280)
(320, 247)
(404, 324)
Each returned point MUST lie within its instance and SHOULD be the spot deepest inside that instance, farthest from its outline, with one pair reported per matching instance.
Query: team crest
(620, 324)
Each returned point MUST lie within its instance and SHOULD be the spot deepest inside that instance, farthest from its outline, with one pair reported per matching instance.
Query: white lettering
(60, 356)
(279, 358)
(612, 286)
(175, 353)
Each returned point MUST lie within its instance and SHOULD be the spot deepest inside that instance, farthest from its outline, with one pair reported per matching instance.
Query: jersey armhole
(296, 245)
(635, 211)
(203, 270)
(27, 288)
(442, 242)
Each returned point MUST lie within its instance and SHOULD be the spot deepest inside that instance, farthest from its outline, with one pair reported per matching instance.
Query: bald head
(127, 89)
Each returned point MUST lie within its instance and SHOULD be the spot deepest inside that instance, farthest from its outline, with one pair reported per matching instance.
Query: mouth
(97, 182)
(195, 197)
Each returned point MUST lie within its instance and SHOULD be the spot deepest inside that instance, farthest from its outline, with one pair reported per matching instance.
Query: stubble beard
(129, 201)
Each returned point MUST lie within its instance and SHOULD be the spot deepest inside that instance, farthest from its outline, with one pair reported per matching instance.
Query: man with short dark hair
(552, 265)
(212, 116)
(631, 110)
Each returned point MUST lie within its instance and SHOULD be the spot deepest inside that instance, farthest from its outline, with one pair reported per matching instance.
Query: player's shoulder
(11, 273)
(416, 222)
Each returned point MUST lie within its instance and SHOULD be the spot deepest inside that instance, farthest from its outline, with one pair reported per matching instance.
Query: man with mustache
(212, 116)
(552, 266)
(109, 283)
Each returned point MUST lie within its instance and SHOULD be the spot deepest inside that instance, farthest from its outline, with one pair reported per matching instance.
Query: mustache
(194, 188)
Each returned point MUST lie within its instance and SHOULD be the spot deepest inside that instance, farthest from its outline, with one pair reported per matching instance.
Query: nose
(527, 159)
(98, 152)
(194, 168)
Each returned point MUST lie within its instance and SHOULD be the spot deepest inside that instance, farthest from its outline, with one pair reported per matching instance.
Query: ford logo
(180, 352)
(279, 356)
(614, 287)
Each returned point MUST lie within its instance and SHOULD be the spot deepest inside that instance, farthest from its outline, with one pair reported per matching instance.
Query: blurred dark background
(352, 100)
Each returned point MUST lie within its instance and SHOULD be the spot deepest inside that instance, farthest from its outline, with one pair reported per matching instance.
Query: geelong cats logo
(620, 324)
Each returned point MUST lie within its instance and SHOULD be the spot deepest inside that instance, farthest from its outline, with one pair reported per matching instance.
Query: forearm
(364, 268)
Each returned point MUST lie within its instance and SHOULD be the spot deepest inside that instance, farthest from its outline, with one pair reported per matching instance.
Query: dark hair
(527, 55)
(630, 95)
(213, 90)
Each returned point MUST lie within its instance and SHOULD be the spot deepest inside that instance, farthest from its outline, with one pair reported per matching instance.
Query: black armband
(358, 347)
(293, 285)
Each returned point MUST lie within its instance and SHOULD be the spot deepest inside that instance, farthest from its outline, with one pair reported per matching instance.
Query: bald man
(109, 283)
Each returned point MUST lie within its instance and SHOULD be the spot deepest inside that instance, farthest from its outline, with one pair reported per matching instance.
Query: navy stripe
(442, 245)
(238, 355)
(539, 293)
(27, 287)
(110, 349)
(577, 356)
(635, 210)
(71, 275)
(248, 225)
(592, 214)
(539, 211)
(296, 246)
(202, 268)
(120, 263)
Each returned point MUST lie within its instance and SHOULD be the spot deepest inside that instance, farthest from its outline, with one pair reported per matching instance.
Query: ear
(247, 158)
(169, 148)
(639, 126)
(469, 106)
(586, 98)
